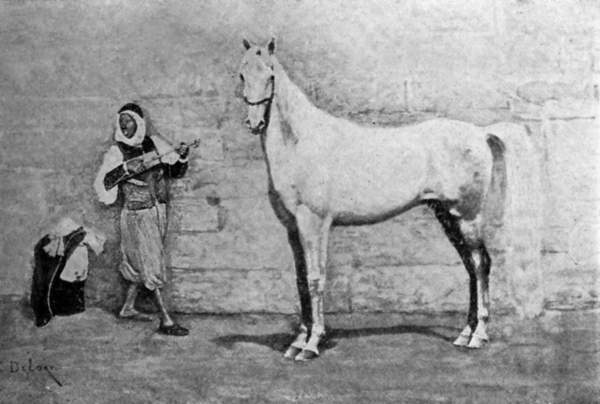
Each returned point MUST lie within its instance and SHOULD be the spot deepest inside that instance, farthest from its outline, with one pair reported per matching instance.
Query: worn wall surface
(67, 67)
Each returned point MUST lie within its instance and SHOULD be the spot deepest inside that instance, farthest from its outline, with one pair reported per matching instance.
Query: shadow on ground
(378, 358)
(280, 341)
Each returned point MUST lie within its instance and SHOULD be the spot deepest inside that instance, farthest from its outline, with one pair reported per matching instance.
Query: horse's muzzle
(258, 129)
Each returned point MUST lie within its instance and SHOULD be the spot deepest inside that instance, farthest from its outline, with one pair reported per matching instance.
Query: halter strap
(267, 99)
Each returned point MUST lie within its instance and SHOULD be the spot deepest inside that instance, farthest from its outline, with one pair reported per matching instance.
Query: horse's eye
(241, 77)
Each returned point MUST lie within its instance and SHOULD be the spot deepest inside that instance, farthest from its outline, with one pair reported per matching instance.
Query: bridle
(267, 100)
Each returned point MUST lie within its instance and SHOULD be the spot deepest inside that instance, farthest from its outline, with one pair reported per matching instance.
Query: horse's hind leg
(483, 302)
(465, 237)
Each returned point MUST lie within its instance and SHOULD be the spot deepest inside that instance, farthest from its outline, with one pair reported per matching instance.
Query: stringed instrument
(153, 158)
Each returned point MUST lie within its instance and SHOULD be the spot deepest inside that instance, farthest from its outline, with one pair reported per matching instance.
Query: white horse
(326, 171)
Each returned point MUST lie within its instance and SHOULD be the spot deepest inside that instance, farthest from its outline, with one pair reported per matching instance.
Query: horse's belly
(362, 197)
(367, 185)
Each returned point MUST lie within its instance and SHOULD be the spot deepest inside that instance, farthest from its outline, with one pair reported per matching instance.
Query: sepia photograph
(300, 201)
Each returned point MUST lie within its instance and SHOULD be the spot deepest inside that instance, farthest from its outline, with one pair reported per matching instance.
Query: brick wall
(66, 68)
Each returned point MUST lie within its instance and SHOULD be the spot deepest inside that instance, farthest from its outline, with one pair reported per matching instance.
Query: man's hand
(183, 150)
(151, 159)
(135, 165)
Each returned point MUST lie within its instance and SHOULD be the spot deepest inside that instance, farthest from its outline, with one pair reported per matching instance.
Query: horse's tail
(516, 181)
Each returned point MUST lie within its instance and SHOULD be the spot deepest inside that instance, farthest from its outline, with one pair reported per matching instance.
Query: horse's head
(256, 73)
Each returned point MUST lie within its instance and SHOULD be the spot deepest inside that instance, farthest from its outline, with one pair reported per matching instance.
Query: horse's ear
(271, 46)
(246, 44)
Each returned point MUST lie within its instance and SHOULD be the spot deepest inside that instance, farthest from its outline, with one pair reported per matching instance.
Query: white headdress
(134, 111)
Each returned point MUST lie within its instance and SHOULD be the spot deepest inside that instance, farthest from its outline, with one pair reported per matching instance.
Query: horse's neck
(279, 147)
(278, 144)
(291, 121)
(285, 120)
(295, 109)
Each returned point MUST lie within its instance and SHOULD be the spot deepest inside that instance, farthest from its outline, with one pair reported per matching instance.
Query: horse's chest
(283, 184)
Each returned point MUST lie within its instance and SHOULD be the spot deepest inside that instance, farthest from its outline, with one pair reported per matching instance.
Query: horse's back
(371, 171)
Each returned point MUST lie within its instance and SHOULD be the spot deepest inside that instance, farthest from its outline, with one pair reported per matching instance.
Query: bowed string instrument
(152, 158)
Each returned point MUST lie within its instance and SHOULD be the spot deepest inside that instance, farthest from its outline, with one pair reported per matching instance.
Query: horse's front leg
(291, 225)
(302, 283)
(314, 231)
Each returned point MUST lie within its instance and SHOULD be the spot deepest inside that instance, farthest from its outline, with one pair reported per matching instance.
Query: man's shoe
(174, 329)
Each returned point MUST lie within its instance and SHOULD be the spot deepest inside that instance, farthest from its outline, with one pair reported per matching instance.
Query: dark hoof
(306, 355)
(174, 330)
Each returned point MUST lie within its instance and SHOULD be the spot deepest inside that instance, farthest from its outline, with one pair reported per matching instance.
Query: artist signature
(27, 367)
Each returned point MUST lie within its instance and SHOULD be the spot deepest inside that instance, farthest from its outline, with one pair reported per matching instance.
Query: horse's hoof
(291, 352)
(306, 355)
(477, 341)
(461, 340)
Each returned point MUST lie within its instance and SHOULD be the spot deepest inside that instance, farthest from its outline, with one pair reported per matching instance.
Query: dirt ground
(369, 358)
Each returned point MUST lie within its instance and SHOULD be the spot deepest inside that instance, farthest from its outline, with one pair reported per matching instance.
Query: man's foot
(133, 314)
(173, 329)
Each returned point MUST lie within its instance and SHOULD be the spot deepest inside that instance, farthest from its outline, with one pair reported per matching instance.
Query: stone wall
(67, 67)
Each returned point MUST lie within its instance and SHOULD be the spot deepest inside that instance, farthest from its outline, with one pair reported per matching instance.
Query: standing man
(138, 165)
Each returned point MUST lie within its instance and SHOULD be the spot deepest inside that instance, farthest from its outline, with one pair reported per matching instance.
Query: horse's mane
(294, 103)
(291, 97)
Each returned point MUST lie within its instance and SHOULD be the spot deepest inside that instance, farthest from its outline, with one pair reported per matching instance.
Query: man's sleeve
(113, 160)
(178, 169)
(114, 176)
